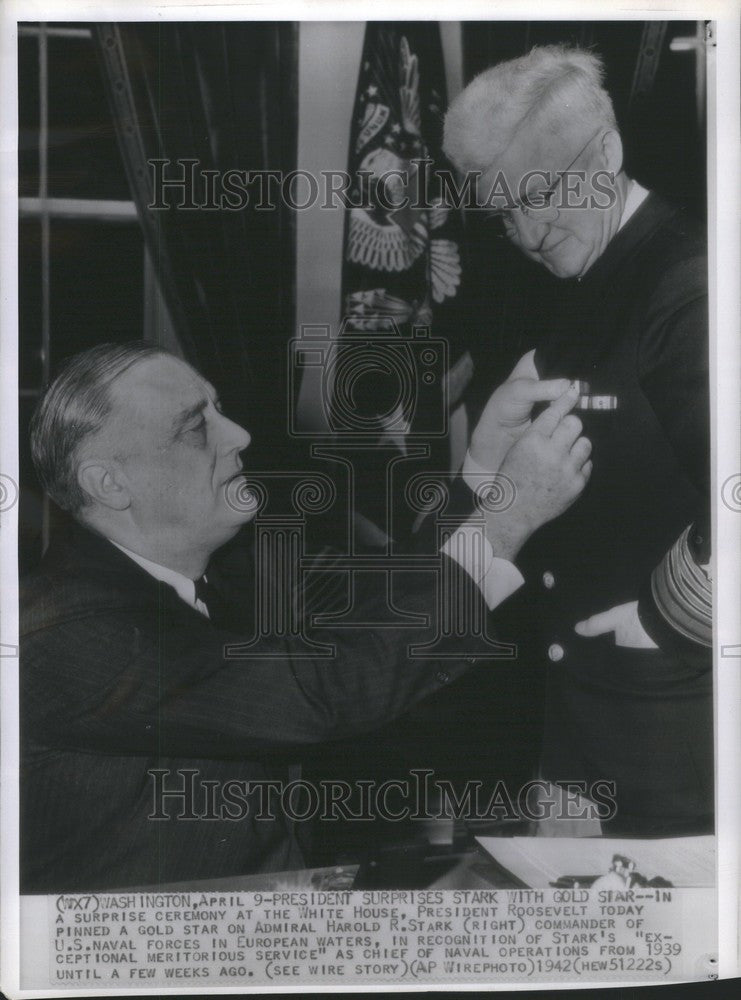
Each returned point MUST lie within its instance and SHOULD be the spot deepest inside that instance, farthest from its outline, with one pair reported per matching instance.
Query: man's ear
(612, 151)
(101, 483)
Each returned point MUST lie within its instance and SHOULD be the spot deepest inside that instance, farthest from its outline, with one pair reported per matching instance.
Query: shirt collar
(183, 586)
(636, 196)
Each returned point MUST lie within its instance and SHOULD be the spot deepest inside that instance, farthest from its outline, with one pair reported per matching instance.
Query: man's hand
(506, 416)
(548, 467)
(623, 620)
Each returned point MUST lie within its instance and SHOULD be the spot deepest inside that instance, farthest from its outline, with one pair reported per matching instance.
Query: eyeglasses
(539, 199)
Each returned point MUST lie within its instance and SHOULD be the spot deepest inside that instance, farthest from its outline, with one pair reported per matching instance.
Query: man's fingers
(581, 451)
(567, 432)
(597, 624)
(525, 367)
(552, 416)
(531, 390)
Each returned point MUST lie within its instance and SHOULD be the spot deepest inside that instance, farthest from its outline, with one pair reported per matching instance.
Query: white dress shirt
(637, 194)
(496, 578)
(185, 587)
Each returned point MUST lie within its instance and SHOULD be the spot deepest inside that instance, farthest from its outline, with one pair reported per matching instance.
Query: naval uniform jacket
(119, 676)
(635, 328)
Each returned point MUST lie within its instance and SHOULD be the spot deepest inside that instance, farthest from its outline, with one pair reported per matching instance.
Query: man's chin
(563, 268)
(241, 502)
(227, 524)
(234, 519)
(223, 533)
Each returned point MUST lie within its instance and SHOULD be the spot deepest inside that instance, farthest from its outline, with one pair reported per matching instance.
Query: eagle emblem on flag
(397, 245)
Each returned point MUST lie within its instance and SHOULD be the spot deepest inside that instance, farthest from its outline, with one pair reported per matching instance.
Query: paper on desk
(538, 861)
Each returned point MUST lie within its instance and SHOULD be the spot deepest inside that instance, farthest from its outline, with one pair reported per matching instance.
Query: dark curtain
(225, 96)
(401, 267)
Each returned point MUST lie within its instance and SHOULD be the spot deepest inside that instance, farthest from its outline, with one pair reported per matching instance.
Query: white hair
(554, 88)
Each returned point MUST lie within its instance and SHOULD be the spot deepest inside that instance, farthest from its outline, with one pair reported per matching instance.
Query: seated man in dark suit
(123, 672)
(617, 610)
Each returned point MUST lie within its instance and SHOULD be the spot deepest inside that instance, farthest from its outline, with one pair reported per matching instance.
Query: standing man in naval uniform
(617, 608)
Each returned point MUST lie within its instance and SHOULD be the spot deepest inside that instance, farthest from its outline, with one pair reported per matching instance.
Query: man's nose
(532, 227)
(236, 438)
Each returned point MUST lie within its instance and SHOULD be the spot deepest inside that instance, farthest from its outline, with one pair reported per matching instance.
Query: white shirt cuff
(496, 578)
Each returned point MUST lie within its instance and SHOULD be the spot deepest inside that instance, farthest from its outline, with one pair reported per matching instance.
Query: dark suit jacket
(635, 327)
(120, 677)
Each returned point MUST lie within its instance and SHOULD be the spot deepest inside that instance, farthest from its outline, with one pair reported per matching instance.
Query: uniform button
(556, 652)
(443, 676)
(549, 580)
